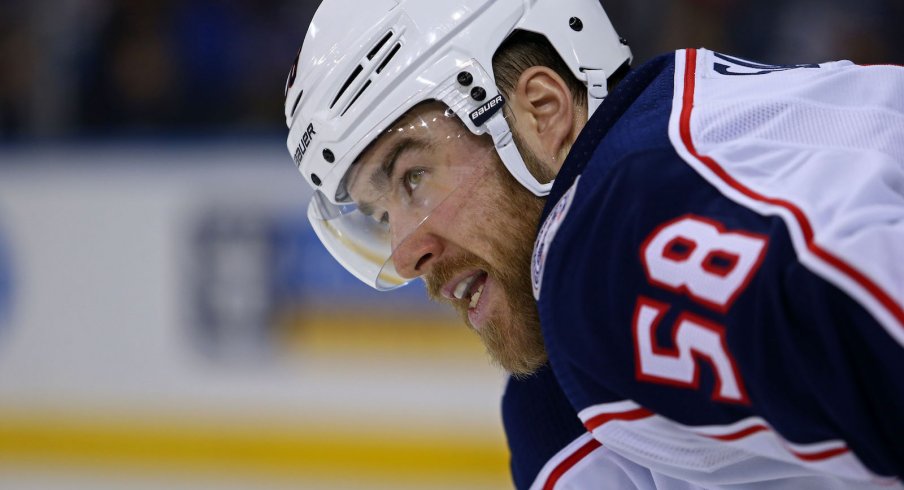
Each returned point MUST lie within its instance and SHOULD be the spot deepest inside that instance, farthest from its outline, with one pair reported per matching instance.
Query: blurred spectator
(107, 67)
(17, 70)
(129, 76)
(196, 64)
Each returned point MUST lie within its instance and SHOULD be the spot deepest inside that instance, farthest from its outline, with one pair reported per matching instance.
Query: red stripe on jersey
(604, 418)
(685, 130)
(749, 431)
(827, 454)
(569, 462)
(740, 434)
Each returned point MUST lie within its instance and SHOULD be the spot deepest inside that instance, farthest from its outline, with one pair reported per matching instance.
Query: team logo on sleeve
(547, 234)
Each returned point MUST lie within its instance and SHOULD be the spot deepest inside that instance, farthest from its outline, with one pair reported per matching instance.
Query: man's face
(458, 219)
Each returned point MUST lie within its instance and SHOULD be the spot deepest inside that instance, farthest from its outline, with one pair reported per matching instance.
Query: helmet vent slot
(395, 49)
(364, 74)
(378, 46)
(297, 100)
(348, 82)
(350, 104)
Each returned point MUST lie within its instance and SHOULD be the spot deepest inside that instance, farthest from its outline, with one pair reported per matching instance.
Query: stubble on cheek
(512, 336)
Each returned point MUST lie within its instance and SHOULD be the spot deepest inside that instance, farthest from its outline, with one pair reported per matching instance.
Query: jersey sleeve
(551, 449)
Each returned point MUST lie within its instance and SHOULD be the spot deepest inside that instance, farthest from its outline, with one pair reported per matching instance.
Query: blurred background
(167, 317)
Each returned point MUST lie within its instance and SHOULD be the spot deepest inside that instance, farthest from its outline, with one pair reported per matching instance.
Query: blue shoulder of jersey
(797, 351)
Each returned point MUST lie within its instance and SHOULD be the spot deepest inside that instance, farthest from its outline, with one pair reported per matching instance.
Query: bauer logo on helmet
(302, 148)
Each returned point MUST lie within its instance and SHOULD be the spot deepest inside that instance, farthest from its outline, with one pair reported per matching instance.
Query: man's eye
(412, 179)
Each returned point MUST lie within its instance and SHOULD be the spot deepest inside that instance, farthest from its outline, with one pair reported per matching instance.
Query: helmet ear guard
(489, 118)
(504, 142)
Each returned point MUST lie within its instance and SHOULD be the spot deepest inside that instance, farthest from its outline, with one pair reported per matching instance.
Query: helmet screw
(478, 94)
(328, 156)
(316, 180)
(465, 78)
(576, 24)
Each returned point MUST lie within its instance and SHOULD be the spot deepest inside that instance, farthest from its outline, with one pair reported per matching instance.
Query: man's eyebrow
(381, 176)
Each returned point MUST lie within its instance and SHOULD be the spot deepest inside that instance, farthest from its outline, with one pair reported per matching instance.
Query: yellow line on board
(380, 331)
(312, 450)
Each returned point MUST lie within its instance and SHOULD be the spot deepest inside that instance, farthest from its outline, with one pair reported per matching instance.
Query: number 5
(694, 339)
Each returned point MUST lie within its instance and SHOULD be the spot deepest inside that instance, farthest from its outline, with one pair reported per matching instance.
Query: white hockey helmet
(363, 64)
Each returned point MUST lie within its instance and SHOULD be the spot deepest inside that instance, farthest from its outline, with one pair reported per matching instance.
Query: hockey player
(717, 284)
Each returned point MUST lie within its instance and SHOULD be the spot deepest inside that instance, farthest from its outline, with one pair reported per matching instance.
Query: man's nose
(416, 254)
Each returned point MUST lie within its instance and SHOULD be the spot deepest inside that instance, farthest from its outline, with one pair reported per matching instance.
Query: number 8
(697, 257)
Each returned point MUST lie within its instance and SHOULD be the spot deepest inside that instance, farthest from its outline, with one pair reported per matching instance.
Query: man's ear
(544, 112)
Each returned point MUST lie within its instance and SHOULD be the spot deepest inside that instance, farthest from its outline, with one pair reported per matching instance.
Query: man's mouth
(470, 287)
(467, 287)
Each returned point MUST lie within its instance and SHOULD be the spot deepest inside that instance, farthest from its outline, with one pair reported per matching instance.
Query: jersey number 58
(696, 257)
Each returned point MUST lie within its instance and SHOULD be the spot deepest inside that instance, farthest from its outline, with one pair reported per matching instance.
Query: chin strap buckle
(596, 89)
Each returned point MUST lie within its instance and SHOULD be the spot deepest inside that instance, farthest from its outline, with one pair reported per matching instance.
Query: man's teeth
(463, 287)
(476, 297)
